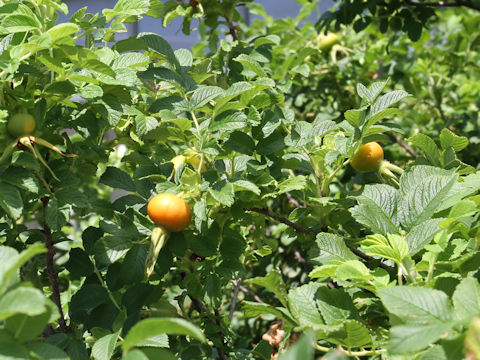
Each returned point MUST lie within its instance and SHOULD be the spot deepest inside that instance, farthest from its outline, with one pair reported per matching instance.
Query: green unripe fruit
(327, 41)
(21, 125)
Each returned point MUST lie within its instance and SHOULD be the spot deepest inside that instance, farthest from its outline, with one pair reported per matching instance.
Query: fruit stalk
(158, 239)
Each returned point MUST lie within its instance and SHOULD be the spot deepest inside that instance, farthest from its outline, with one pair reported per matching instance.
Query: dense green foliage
(290, 251)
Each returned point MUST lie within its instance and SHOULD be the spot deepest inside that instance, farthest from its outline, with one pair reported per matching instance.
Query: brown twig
(255, 296)
(294, 201)
(237, 284)
(400, 142)
(302, 230)
(52, 275)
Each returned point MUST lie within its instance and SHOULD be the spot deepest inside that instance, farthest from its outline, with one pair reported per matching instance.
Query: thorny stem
(52, 275)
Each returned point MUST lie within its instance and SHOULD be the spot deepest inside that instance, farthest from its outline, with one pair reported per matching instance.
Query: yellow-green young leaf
(154, 326)
(353, 269)
(63, 30)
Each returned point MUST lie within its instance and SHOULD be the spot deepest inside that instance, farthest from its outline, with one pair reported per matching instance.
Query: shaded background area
(173, 33)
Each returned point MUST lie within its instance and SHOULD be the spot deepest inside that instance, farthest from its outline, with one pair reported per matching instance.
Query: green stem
(195, 121)
(158, 240)
(349, 352)
(104, 285)
(399, 274)
(326, 183)
(431, 268)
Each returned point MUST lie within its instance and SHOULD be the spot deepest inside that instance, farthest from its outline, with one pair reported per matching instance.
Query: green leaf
(466, 299)
(154, 326)
(203, 95)
(22, 300)
(56, 216)
(387, 100)
(118, 179)
(271, 144)
(330, 248)
(274, 283)
(135, 355)
(348, 333)
(263, 350)
(428, 146)
(20, 23)
(302, 349)
(422, 234)
(27, 327)
(245, 185)
(63, 30)
(364, 93)
(88, 297)
(449, 139)
(240, 142)
(158, 341)
(301, 301)
(423, 188)
(158, 44)
(416, 305)
(145, 124)
(353, 270)
(376, 88)
(128, 7)
(104, 347)
(90, 91)
(21, 178)
(355, 117)
(13, 351)
(335, 305)
(253, 309)
(110, 249)
(79, 264)
(293, 183)
(377, 209)
(408, 339)
(11, 200)
(12, 261)
(223, 192)
(251, 64)
(44, 351)
(133, 266)
(393, 247)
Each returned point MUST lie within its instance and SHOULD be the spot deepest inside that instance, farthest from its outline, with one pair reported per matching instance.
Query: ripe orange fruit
(169, 211)
(368, 157)
(21, 124)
